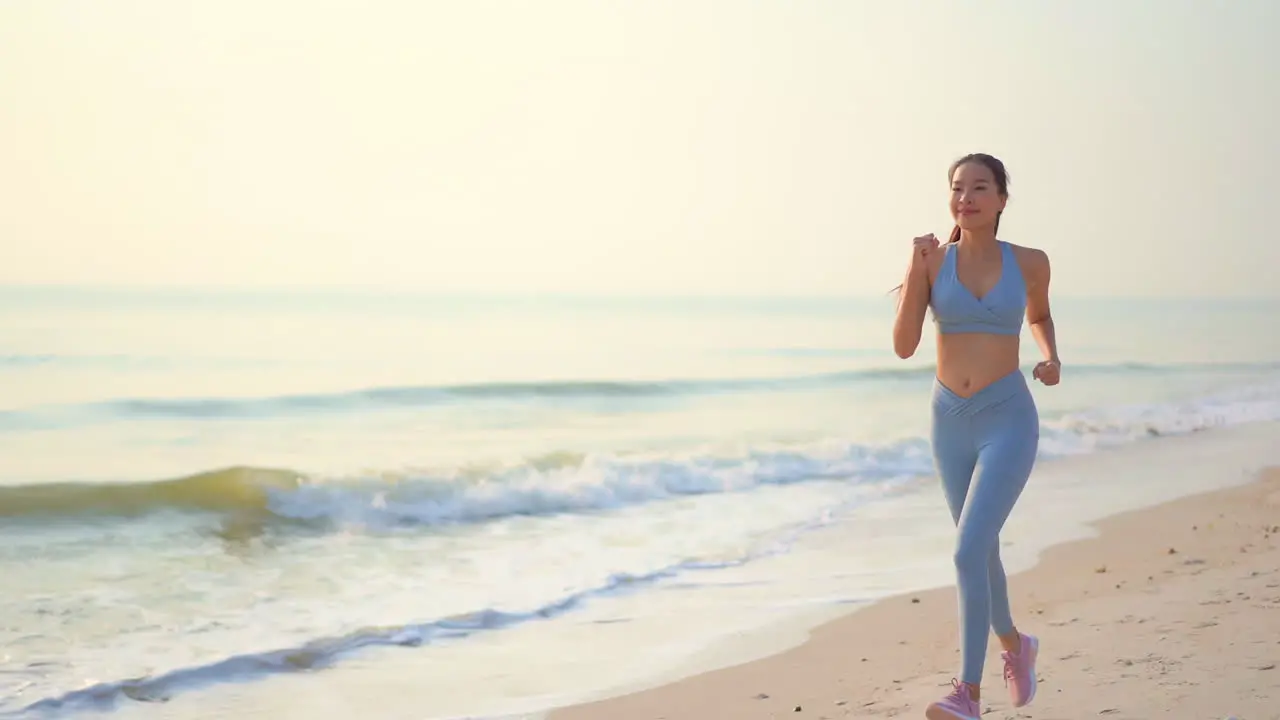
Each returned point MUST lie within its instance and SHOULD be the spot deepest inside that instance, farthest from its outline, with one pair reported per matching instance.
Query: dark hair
(998, 172)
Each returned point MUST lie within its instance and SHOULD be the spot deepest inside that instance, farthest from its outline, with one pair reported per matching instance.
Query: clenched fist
(1048, 372)
(921, 247)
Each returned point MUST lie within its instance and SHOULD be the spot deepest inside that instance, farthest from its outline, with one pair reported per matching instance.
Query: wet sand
(1170, 612)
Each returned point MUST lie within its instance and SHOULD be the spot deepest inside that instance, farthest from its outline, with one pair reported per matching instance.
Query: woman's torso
(978, 303)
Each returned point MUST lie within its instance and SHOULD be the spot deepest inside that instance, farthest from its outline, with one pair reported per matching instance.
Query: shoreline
(821, 584)
(1123, 616)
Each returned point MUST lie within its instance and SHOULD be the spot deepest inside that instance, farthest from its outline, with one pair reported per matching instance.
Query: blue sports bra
(999, 312)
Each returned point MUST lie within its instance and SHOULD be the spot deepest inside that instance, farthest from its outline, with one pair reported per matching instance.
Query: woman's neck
(980, 241)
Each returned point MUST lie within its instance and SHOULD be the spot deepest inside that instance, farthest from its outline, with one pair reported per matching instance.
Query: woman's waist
(969, 363)
(1008, 390)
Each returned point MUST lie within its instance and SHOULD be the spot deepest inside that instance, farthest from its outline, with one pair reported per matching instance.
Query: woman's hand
(920, 249)
(1047, 372)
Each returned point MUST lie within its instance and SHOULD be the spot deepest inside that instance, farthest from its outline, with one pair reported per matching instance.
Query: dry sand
(1172, 612)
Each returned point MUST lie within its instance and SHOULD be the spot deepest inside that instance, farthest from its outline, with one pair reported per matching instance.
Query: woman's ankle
(1011, 642)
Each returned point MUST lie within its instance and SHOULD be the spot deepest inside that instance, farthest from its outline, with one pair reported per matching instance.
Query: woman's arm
(1040, 318)
(913, 301)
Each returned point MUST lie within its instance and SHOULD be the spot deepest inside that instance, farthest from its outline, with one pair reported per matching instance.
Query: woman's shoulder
(1026, 254)
(1033, 261)
(934, 261)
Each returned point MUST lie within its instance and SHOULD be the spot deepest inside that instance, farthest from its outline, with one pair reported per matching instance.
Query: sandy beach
(1169, 612)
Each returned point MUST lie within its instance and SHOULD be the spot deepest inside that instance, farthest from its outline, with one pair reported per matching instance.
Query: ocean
(213, 502)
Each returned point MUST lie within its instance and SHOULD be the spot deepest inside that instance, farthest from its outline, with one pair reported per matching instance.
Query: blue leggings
(997, 431)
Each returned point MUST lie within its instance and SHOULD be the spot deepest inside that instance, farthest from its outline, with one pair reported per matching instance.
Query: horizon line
(249, 289)
(489, 294)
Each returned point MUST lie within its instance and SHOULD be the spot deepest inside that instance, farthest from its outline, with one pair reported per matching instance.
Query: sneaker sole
(937, 713)
(1035, 652)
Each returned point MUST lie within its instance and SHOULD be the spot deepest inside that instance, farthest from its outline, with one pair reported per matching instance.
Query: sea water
(219, 499)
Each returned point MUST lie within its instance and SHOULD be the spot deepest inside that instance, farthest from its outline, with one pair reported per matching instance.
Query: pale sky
(642, 146)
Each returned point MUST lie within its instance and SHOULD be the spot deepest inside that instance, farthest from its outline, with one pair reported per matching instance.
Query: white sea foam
(581, 536)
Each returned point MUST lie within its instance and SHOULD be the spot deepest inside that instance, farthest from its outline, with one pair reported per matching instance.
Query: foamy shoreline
(1122, 616)
(824, 600)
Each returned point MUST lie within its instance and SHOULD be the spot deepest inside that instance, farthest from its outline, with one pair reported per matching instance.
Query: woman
(983, 414)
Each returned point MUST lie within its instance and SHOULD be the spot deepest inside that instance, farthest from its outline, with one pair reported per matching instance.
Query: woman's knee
(972, 556)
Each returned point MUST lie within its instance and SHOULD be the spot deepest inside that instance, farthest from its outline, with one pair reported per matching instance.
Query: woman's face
(975, 197)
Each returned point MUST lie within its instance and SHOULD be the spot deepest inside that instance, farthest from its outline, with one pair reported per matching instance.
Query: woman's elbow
(905, 347)
(907, 328)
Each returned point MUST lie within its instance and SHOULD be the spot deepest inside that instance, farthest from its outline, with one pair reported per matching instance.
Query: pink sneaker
(1020, 671)
(956, 706)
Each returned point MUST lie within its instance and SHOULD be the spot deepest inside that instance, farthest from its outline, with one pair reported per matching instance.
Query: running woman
(985, 428)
